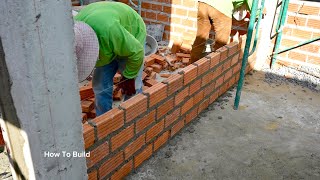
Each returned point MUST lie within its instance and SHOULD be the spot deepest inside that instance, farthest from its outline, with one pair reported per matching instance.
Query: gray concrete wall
(39, 93)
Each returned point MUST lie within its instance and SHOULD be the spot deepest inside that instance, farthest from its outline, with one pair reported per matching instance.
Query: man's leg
(102, 83)
(222, 27)
(203, 30)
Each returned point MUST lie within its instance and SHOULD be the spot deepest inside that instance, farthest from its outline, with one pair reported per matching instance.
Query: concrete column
(39, 97)
(265, 45)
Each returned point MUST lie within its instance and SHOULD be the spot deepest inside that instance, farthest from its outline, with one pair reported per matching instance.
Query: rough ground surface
(275, 134)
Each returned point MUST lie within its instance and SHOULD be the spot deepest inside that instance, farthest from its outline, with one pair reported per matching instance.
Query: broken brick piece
(171, 59)
(165, 66)
(117, 78)
(84, 117)
(156, 68)
(159, 59)
(144, 88)
(148, 61)
(87, 106)
(117, 95)
(144, 75)
(185, 61)
(92, 114)
(153, 75)
(183, 55)
(150, 82)
(165, 75)
(148, 70)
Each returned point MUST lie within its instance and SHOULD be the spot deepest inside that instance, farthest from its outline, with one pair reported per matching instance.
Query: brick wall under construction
(123, 138)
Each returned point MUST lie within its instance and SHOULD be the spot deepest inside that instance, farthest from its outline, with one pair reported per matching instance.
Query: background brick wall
(302, 24)
(121, 139)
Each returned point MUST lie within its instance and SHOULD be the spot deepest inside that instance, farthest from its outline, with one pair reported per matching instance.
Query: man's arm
(126, 45)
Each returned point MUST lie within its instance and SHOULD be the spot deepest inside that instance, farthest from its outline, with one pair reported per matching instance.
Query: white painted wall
(37, 38)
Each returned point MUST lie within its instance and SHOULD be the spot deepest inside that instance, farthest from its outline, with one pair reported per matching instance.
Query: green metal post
(246, 52)
(281, 22)
(256, 37)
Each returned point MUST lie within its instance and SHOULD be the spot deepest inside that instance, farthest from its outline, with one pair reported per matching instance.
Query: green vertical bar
(281, 22)
(246, 52)
(256, 36)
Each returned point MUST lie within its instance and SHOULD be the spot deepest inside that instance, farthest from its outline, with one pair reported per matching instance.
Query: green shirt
(121, 33)
(227, 6)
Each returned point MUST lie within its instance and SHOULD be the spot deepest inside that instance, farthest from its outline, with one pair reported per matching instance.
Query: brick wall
(121, 139)
(302, 24)
(178, 16)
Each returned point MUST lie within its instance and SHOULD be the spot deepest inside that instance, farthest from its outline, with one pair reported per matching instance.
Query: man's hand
(128, 86)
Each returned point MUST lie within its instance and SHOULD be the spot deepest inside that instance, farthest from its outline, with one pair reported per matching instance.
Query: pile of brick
(165, 60)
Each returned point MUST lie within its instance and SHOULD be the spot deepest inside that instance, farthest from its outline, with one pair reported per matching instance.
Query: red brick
(165, 108)
(161, 140)
(223, 89)
(181, 12)
(314, 60)
(144, 155)
(223, 53)
(134, 146)
(98, 154)
(309, 10)
(186, 106)
(206, 79)
(145, 121)
(234, 59)
(237, 68)
(156, 7)
(198, 97)
(148, 61)
(183, 55)
(151, 15)
(123, 171)
(172, 59)
(163, 18)
(150, 82)
(93, 175)
(181, 96)
(156, 67)
(174, 82)
(314, 23)
(214, 96)
(313, 48)
(302, 33)
(154, 131)
(88, 135)
(297, 56)
(138, 102)
(195, 86)
(210, 88)
(293, 7)
(111, 164)
(226, 65)
(172, 117)
(144, 75)
(232, 48)
(203, 105)
(190, 73)
(203, 65)
(121, 138)
(219, 81)
(109, 122)
(167, 9)
(177, 127)
(87, 106)
(176, 44)
(86, 92)
(157, 93)
(228, 74)
(185, 47)
(214, 59)
(186, 61)
(165, 75)
(191, 115)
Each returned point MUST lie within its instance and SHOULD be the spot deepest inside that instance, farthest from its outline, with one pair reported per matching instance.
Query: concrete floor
(275, 134)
